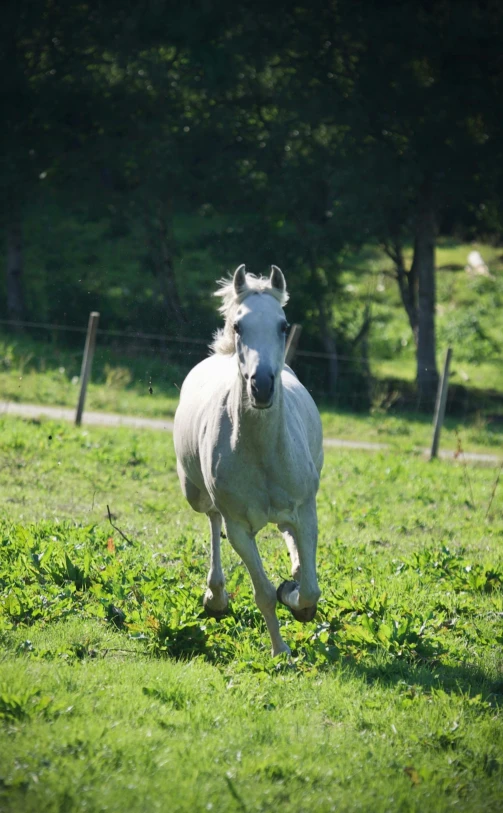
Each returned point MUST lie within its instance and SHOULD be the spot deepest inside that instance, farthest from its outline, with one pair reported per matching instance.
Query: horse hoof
(214, 613)
(304, 615)
(285, 588)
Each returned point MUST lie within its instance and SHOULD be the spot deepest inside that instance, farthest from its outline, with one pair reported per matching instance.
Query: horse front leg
(216, 600)
(301, 595)
(291, 544)
(265, 594)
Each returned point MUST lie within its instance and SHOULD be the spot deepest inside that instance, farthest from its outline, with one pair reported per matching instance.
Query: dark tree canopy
(305, 130)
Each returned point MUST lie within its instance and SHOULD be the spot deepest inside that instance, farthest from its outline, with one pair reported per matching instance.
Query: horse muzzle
(262, 389)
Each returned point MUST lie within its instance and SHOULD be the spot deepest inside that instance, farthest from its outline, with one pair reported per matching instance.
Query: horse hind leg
(216, 600)
(198, 498)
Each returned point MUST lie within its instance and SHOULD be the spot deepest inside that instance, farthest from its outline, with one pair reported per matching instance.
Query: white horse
(248, 442)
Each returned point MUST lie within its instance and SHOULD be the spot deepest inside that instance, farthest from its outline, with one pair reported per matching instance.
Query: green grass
(116, 693)
(413, 431)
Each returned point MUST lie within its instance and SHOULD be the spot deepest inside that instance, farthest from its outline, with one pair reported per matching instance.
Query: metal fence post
(443, 386)
(292, 343)
(87, 361)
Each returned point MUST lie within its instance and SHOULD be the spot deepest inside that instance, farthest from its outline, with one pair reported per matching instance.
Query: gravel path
(93, 418)
(111, 419)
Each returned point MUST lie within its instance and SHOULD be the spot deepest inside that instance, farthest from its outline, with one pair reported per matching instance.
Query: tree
(75, 96)
(45, 53)
(404, 98)
(312, 128)
(282, 167)
(416, 87)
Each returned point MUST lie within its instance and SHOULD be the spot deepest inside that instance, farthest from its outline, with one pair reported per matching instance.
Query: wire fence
(169, 357)
(160, 337)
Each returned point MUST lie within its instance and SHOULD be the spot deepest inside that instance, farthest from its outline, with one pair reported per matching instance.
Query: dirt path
(112, 419)
(88, 418)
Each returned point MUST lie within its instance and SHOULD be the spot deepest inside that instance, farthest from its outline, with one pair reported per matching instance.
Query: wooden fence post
(443, 386)
(292, 343)
(87, 361)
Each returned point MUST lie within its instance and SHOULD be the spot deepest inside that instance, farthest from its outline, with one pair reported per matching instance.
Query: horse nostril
(262, 386)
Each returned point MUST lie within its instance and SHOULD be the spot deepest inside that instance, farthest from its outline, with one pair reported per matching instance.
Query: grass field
(117, 694)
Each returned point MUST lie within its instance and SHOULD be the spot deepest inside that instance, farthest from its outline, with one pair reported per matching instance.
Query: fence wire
(356, 388)
(160, 337)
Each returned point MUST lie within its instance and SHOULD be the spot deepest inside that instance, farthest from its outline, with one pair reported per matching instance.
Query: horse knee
(296, 573)
(310, 596)
(215, 582)
(265, 599)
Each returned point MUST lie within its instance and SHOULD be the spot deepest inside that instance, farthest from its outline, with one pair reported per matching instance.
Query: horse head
(260, 329)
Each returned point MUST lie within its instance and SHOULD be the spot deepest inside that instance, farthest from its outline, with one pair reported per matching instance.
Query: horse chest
(255, 493)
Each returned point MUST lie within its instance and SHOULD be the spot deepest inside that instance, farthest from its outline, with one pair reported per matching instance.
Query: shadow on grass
(398, 402)
(460, 679)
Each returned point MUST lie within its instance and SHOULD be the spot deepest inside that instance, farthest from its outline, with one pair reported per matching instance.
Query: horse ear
(277, 279)
(239, 279)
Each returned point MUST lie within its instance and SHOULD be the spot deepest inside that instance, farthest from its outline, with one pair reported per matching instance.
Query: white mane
(223, 341)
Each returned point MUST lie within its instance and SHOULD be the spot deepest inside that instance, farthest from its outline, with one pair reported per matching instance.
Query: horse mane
(223, 340)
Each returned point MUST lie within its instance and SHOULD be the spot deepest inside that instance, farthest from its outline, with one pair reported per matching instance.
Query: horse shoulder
(303, 420)
(198, 413)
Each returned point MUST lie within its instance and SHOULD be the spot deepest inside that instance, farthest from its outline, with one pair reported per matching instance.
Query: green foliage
(19, 707)
(468, 318)
(50, 573)
(464, 331)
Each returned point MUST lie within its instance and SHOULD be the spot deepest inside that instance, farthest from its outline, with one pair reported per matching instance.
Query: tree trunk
(161, 248)
(329, 343)
(424, 261)
(407, 283)
(362, 339)
(15, 295)
(167, 265)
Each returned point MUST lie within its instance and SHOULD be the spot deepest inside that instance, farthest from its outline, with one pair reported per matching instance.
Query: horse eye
(237, 328)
